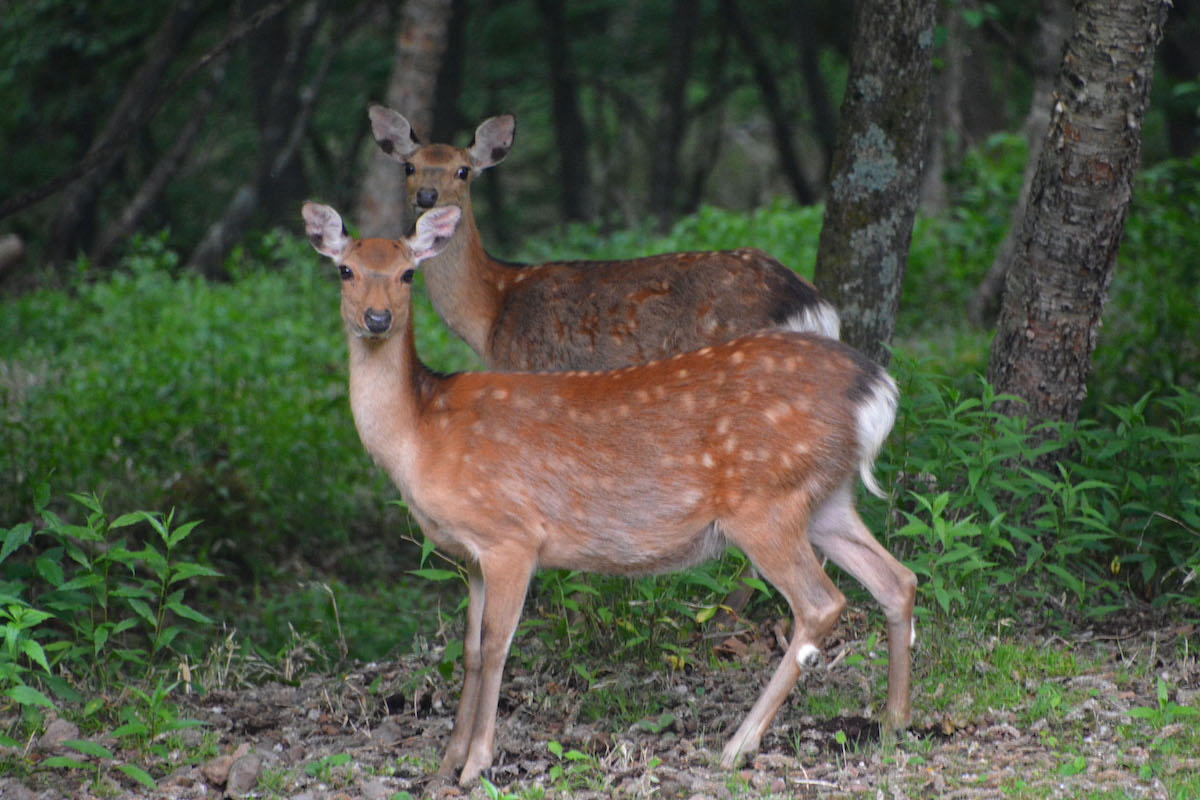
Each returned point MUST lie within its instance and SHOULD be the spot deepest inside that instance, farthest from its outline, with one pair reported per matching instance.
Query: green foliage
(323, 768)
(102, 757)
(222, 400)
(98, 609)
(82, 604)
(1150, 340)
(650, 619)
(978, 514)
(1166, 712)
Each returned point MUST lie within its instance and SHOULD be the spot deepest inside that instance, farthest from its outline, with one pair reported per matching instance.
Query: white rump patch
(912, 636)
(822, 318)
(876, 414)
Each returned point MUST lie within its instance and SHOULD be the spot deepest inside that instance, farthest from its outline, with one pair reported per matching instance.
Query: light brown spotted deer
(755, 442)
(583, 314)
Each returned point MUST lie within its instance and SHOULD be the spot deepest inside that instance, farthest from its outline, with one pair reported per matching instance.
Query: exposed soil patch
(378, 730)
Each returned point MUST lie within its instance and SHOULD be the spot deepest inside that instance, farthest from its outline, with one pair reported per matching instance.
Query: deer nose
(426, 198)
(377, 321)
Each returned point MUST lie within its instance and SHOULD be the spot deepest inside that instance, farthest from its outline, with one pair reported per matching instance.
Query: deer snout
(426, 197)
(377, 321)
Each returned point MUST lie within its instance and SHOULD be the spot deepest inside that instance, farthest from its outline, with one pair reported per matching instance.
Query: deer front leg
(468, 701)
(506, 579)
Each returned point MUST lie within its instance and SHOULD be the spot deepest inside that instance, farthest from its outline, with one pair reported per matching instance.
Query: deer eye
(409, 169)
(407, 276)
(346, 273)
(463, 172)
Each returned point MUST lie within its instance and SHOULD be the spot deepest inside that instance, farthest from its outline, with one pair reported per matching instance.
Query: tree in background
(420, 47)
(1054, 20)
(282, 109)
(574, 179)
(1067, 247)
(672, 111)
(781, 125)
(876, 170)
(736, 101)
(74, 222)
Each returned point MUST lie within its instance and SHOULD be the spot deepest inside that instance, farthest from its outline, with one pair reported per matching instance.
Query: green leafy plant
(101, 757)
(1167, 710)
(573, 768)
(151, 715)
(77, 600)
(323, 768)
(492, 792)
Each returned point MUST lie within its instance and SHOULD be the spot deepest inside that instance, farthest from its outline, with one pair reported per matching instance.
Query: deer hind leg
(506, 578)
(837, 531)
(788, 562)
(468, 701)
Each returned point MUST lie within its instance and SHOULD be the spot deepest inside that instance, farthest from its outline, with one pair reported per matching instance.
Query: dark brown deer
(584, 314)
(755, 442)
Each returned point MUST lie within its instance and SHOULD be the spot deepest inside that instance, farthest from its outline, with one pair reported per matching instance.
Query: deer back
(606, 314)
(633, 471)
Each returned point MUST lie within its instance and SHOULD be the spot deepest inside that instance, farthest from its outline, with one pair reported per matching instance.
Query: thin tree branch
(106, 153)
(162, 173)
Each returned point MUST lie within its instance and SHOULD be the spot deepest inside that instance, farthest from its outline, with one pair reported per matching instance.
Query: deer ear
(392, 132)
(435, 229)
(493, 140)
(325, 230)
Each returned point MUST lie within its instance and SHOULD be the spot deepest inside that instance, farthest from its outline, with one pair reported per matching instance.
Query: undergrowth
(227, 402)
(91, 611)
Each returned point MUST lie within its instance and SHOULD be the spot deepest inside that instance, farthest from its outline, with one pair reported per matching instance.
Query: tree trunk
(164, 170)
(1067, 246)
(74, 223)
(672, 113)
(420, 47)
(712, 131)
(1054, 21)
(283, 113)
(876, 170)
(781, 127)
(447, 118)
(944, 142)
(574, 179)
(819, 103)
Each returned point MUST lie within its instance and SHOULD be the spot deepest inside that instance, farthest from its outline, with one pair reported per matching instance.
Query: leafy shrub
(80, 605)
(226, 401)
(1117, 519)
(1150, 340)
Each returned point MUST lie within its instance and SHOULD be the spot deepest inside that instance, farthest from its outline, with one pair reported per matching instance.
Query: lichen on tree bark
(876, 170)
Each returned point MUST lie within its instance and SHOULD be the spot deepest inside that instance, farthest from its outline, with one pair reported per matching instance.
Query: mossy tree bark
(876, 171)
(1067, 247)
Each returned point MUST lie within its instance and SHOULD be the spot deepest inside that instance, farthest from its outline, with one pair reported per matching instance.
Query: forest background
(168, 341)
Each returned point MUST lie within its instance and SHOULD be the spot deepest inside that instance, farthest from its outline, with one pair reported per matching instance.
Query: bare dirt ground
(376, 731)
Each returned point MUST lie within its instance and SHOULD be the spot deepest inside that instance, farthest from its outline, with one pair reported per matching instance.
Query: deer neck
(464, 284)
(385, 384)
